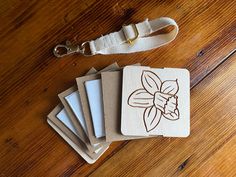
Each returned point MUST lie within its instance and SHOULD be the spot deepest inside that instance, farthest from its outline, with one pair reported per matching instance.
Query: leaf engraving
(140, 98)
(151, 82)
(170, 87)
(151, 118)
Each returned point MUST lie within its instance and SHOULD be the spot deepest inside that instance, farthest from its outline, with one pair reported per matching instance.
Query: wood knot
(200, 53)
(182, 165)
(12, 143)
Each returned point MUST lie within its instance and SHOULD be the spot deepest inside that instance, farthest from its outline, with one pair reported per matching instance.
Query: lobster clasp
(64, 50)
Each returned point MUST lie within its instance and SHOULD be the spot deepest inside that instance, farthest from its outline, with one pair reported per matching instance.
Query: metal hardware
(136, 33)
(64, 50)
(85, 49)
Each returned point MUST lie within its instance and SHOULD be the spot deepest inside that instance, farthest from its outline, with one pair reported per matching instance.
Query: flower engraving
(158, 98)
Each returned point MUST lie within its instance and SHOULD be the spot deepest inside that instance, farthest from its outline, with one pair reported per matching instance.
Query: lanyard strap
(131, 38)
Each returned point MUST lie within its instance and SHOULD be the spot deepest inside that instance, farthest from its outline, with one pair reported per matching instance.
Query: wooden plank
(30, 78)
(213, 124)
(222, 163)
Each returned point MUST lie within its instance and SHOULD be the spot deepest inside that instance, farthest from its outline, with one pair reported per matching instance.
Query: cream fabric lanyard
(131, 38)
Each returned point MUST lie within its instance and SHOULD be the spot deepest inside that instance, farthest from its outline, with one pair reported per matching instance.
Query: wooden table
(31, 78)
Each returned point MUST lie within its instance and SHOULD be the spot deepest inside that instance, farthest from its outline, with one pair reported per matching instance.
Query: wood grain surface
(31, 78)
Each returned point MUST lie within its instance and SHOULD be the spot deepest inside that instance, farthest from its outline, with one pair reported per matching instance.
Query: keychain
(131, 38)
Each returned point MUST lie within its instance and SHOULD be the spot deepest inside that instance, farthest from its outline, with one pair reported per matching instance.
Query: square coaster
(76, 120)
(112, 93)
(72, 109)
(73, 140)
(155, 102)
(85, 103)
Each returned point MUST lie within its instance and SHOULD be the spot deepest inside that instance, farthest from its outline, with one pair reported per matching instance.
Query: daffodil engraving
(158, 98)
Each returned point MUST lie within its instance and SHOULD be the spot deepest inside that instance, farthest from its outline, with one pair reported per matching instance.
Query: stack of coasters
(118, 104)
